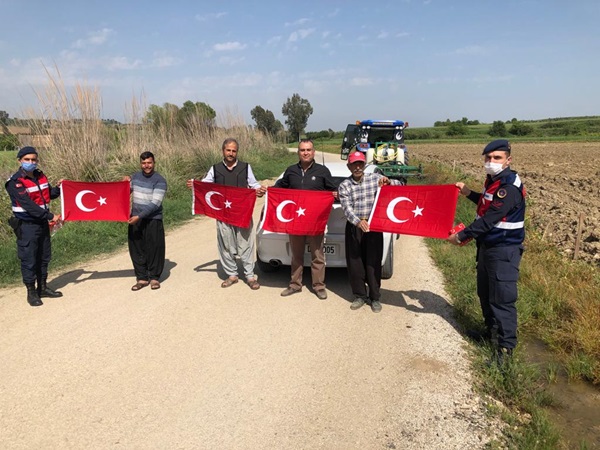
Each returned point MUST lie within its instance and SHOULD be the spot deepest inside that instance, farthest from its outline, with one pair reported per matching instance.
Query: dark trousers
(147, 248)
(363, 258)
(497, 276)
(34, 250)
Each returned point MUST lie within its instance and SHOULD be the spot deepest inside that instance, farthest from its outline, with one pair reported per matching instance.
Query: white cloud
(297, 23)
(229, 46)
(274, 40)
(361, 81)
(210, 16)
(165, 61)
(402, 34)
(300, 34)
(94, 38)
(334, 13)
(470, 50)
(324, 34)
(383, 35)
(229, 61)
(492, 79)
(122, 63)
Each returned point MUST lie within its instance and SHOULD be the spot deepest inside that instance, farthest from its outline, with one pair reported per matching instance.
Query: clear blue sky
(414, 60)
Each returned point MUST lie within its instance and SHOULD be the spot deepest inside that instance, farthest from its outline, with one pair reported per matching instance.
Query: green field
(558, 129)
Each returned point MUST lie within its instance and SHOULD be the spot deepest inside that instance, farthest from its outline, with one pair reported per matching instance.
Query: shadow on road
(424, 302)
(208, 266)
(81, 275)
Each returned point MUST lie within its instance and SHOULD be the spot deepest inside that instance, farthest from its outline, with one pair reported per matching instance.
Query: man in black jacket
(308, 175)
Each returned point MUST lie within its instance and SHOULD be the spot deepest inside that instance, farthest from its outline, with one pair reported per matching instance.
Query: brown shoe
(253, 284)
(289, 291)
(228, 282)
(322, 294)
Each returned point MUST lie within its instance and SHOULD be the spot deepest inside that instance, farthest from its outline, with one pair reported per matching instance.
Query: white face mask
(492, 168)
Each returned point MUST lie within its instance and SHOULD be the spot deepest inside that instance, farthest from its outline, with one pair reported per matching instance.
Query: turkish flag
(417, 210)
(297, 211)
(102, 201)
(230, 204)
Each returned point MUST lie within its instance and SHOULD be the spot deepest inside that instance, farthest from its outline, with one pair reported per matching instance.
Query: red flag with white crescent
(230, 204)
(99, 201)
(297, 211)
(426, 211)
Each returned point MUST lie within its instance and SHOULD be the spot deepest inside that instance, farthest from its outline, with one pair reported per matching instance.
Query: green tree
(498, 128)
(457, 129)
(520, 129)
(189, 116)
(265, 120)
(4, 122)
(198, 112)
(164, 116)
(297, 110)
(9, 142)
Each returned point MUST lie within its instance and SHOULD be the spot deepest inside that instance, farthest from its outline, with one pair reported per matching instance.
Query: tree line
(169, 116)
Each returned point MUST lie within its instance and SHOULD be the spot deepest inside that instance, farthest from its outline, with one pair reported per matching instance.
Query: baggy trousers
(34, 250)
(147, 248)
(235, 241)
(364, 252)
(317, 265)
(497, 276)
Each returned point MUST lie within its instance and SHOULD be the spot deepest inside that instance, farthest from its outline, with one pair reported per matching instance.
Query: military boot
(504, 356)
(45, 291)
(33, 297)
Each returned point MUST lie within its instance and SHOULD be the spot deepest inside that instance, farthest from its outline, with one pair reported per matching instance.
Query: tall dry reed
(78, 145)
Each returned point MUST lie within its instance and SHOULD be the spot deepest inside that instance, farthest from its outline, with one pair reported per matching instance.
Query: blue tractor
(382, 141)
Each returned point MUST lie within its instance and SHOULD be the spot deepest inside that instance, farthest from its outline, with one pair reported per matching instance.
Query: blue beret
(498, 144)
(26, 151)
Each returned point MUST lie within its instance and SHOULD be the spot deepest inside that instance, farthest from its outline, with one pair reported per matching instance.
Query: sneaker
(322, 294)
(357, 303)
(375, 306)
(289, 291)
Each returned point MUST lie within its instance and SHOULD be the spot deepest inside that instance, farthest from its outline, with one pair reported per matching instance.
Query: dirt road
(196, 366)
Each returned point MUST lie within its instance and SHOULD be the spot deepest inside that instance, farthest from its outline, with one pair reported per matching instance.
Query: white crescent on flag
(392, 205)
(79, 198)
(280, 210)
(209, 203)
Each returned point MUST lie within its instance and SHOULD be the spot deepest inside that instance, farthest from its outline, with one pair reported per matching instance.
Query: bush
(9, 142)
(520, 129)
(457, 129)
(498, 129)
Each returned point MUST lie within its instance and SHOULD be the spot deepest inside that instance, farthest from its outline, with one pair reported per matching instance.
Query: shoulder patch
(18, 185)
(501, 193)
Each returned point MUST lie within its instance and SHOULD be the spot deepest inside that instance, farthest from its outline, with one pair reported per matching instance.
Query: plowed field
(562, 182)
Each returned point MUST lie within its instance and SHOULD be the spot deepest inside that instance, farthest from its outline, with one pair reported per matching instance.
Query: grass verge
(559, 302)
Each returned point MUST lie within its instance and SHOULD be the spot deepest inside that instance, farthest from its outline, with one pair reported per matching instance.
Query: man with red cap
(364, 248)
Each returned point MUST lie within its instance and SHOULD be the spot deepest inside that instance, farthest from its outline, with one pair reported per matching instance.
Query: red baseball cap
(357, 156)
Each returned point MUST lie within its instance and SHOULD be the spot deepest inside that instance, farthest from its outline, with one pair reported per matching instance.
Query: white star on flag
(418, 211)
(102, 200)
(227, 204)
(300, 211)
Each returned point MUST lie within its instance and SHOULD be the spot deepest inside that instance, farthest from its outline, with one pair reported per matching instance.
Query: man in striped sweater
(146, 234)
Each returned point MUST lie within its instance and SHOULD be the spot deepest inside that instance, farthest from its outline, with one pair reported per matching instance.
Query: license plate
(328, 249)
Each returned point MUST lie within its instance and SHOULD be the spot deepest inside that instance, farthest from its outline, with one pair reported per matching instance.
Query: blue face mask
(28, 167)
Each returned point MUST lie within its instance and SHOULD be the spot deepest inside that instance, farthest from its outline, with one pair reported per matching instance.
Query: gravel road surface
(196, 366)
